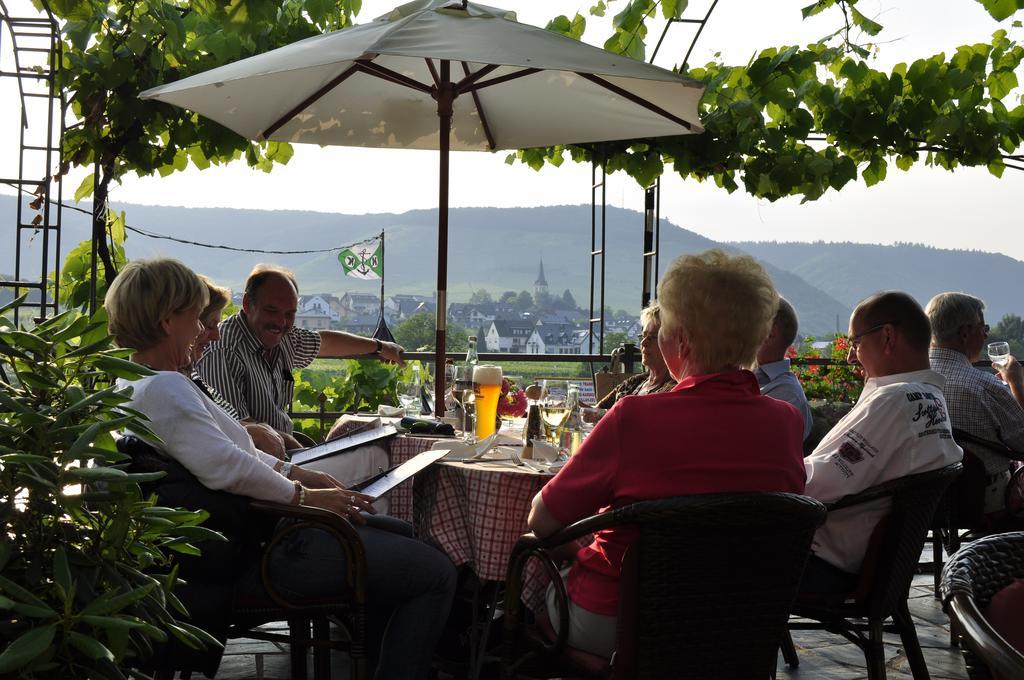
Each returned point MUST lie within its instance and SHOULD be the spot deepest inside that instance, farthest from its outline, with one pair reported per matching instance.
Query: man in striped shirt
(251, 364)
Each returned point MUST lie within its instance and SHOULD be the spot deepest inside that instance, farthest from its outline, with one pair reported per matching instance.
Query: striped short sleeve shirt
(257, 383)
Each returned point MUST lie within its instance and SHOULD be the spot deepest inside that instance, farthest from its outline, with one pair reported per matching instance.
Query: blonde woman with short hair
(154, 307)
(713, 432)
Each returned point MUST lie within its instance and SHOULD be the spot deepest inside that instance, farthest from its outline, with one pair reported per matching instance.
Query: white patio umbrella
(437, 74)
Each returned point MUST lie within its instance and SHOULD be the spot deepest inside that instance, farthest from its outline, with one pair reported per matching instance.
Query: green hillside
(851, 271)
(492, 248)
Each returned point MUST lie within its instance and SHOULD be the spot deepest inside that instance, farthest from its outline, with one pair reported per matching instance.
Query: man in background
(251, 364)
(773, 374)
(980, 403)
(898, 427)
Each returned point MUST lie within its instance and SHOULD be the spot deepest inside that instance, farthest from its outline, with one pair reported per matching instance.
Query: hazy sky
(965, 209)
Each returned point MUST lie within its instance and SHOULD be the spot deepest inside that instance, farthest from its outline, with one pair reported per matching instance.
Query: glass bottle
(471, 356)
(417, 382)
(534, 421)
(464, 389)
(452, 403)
(570, 432)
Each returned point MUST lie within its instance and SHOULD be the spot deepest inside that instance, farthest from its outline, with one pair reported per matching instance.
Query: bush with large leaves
(80, 544)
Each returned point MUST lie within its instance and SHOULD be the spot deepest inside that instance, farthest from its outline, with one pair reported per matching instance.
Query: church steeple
(540, 286)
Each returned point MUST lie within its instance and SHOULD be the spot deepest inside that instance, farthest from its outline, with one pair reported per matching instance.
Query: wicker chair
(705, 590)
(961, 514)
(970, 579)
(253, 530)
(885, 576)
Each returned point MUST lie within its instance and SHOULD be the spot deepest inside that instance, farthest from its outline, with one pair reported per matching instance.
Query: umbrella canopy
(437, 74)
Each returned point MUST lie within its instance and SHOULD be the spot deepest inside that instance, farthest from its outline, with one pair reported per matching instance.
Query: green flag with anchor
(363, 260)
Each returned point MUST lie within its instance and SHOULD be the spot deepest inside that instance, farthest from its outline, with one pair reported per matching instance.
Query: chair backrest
(606, 382)
(713, 578)
(984, 567)
(966, 497)
(914, 501)
(973, 575)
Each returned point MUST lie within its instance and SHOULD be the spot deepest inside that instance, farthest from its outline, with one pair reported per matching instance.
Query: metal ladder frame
(36, 79)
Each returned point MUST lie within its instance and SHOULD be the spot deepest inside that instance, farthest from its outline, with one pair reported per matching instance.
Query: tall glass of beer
(487, 385)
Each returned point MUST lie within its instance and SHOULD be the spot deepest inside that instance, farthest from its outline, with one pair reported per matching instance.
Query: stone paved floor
(822, 656)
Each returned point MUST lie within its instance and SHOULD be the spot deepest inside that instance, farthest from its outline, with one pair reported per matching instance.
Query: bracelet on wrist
(302, 493)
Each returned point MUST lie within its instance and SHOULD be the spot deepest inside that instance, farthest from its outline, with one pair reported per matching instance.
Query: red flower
(512, 404)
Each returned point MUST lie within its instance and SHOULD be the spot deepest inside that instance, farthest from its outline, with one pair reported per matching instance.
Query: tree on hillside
(508, 297)
(524, 301)
(480, 297)
(544, 302)
(1010, 329)
(417, 333)
(568, 301)
(797, 121)
(616, 338)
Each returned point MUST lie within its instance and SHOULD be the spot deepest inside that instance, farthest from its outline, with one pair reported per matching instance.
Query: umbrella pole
(444, 113)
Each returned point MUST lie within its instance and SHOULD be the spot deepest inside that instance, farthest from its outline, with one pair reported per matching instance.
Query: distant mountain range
(500, 249)
(851, 271)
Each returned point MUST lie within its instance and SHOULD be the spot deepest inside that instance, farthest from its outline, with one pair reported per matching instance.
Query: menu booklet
(380, 484)
(355, 433)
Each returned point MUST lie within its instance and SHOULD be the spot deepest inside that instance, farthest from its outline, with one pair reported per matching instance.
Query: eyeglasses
(855, 339)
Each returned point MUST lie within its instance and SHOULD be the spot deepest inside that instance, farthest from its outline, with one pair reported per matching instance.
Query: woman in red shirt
(713, 433)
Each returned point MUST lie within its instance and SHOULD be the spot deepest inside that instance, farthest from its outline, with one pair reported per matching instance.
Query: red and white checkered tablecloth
(474, 513)
(402, 448)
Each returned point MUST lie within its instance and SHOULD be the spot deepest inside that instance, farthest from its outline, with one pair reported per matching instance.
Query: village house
(508, 335)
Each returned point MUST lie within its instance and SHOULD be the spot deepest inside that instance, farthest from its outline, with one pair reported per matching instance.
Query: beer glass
(487, 386)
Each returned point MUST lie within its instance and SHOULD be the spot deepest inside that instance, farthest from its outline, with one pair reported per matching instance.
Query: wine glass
(999, 353)
(409, 397)
(553, 407)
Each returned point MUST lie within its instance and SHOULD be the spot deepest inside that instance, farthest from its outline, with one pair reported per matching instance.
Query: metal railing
(630, 357)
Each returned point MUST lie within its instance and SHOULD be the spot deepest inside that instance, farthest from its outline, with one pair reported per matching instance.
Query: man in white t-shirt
(899, 427)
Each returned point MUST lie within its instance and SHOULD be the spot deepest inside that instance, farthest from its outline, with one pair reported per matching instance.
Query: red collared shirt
(712, 433)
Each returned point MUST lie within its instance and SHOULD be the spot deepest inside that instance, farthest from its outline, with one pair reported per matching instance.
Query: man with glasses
(898, 427)
(772, 372)
(980, 403)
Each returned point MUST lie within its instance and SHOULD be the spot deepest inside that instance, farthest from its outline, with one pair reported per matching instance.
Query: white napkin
(463, 451)
(544, 451)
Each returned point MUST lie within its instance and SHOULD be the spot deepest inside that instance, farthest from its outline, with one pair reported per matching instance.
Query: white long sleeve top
(207, 441)
(899, 427)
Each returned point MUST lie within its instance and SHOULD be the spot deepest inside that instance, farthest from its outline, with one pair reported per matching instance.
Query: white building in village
(508, 335)
(553, 339)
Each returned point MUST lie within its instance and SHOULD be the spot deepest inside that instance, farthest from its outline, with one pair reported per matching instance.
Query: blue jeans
(411, 587)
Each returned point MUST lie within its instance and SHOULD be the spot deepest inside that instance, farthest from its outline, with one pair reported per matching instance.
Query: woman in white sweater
(153, 307)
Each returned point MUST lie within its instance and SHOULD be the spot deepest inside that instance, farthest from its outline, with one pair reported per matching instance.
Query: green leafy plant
(86, 583)
(800, 120)
(832, 380)
(348, 385)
